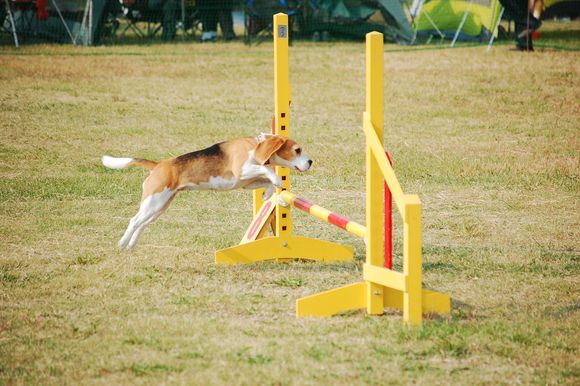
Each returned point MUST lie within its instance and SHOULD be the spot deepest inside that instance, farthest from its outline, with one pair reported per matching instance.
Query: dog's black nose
(310, 162)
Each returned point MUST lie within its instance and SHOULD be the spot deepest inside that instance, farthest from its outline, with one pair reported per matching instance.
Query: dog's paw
(268, 192)
(278, 182)
(122, 244)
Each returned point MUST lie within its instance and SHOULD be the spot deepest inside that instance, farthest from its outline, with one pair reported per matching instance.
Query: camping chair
(258, 18)
(136, 12)
(190, 18)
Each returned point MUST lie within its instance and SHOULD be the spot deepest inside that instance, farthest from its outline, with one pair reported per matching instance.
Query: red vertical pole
(388, 262)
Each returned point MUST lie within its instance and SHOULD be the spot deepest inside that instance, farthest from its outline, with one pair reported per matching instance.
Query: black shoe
(229, 36)
(524, 43)
(535, 24)
(524, 47)
(524, 34)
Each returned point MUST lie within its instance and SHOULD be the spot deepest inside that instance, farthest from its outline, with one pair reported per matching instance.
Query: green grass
(488, 140)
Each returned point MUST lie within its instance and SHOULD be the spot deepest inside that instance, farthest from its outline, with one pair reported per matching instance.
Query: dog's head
(282, 151)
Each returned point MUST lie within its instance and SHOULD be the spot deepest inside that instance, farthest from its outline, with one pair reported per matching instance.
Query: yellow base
(290, 247)
(354, 296)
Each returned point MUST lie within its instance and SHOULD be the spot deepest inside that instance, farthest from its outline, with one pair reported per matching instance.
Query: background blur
(97, 22)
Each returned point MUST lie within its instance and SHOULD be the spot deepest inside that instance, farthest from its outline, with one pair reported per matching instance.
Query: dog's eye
(298, 151)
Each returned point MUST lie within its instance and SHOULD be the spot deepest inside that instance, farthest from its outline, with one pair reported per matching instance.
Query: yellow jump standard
(254, 246)
(382, 287)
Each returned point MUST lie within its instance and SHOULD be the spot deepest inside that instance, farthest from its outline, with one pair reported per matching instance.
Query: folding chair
(190, 22)
(136, 12)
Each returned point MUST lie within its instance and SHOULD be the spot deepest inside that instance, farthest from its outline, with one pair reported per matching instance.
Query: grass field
(490, 142)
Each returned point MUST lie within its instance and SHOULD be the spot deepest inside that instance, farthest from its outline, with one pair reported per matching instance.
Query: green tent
(466, 19)
(357, 17)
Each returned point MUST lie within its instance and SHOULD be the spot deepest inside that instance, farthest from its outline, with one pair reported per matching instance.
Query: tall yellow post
(412, 298)
(282, 111)
(374, 177)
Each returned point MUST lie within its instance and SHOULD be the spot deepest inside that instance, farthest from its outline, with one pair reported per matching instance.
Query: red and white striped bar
(324, 214)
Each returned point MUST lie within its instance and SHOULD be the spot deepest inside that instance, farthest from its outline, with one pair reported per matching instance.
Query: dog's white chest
(215, 183)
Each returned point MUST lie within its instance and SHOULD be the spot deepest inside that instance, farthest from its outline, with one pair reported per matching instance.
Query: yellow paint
(287, 197)
(257, 200)
(374, 180)
(378, 152)
(290, 247)
(282, 245)
(356, 229)
(382, 287)
(282, 113)
(412, 260)
(353, 296)
(432, 302)
(332, 302)
(435, 302)
(385, 277)
(321, 213)
(262, 219)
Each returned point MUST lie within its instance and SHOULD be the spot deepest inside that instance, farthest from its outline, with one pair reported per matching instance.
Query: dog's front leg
(251, 171)
(262, 183)
(268, 192)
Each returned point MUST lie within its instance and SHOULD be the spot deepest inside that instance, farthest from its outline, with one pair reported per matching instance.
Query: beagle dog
(238, 163)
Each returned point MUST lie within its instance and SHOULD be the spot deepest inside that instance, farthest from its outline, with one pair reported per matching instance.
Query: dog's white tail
(115, 163)
(121, 163)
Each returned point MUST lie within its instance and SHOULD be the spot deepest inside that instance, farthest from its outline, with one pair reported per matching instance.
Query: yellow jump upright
(273, 213)
(382, 287)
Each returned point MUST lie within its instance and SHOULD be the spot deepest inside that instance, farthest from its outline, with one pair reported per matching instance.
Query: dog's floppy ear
(267, 148)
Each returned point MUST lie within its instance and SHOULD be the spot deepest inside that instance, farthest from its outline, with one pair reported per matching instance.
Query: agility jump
(382, 287)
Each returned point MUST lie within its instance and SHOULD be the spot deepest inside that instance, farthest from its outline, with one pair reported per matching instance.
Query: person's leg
(208, 20)
(226, 20)
(518, 10)
(534, 16)
(155, 5)
(169, 19)
(538, 9)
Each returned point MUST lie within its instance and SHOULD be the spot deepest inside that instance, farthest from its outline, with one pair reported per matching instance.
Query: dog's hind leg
(155, 209)
(131, 228)
(157, 194)
(151, 207)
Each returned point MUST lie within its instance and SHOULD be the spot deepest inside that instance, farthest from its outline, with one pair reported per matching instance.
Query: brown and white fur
(235, 164)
